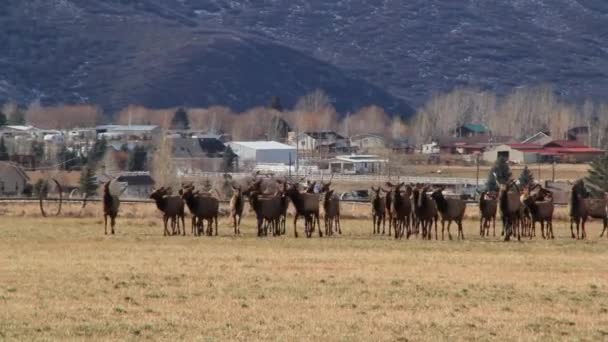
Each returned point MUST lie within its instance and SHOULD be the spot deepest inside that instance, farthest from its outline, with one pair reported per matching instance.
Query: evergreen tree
(275, 103)
(526, 177)
(87, 181)
(180, 120)
(597, 179)
(98, 151)
(278, 129)
(3, 151)
(37, 151)
(229, 160)
(503, 174)
(137, 159)
(17, 117)
(3, 119)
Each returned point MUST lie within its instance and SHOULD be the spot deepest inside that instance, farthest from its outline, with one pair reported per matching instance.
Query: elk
(378, 210)
(236, 208)
(578, 208)
(510, 209)
(450, 209)
(540, 211)
(399, 209)
(331, 208)
(306, 205)
(111, 203)
(203, 207)
(487, 210)
(426, 212)
(172, 208)
(267, 208)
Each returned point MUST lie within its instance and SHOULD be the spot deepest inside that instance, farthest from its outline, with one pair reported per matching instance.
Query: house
(128, 132)
(539, 138)
(137, 184)
(517, 153)
(223, 137)
(357, 164)
(264, 152)
(368, 142)
(564, 151)
(469, 145)
(212, 146)
(13, 180)
(579, 133)
(320, 141)
(470, 130)
(430, 148)
(401, 146)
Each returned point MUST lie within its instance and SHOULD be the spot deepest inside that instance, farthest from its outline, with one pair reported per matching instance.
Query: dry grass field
(61, 278)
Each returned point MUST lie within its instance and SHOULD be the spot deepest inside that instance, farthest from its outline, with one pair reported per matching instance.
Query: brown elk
(510, 206)
(237, 204)
(172, 208)
(400, 209)
(306, 205)
(487, 213)
(540, 211)
(378, 210)
(450, 209)
(579, 212)
(203, 207)
(425, 210)
(266, 209)
(331, 209)
(111, 203)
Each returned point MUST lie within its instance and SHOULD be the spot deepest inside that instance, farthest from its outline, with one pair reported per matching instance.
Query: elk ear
(374, 189)
(330, 193)
(389, 184)
(181, 192)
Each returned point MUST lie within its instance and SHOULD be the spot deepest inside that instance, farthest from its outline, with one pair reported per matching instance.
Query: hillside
(163, 53)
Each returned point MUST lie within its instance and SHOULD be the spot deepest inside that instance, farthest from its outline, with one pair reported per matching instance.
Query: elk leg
(112, 223)
(571, 227)
(295, 221)
(460, 230)
(605, 221)
(449, 231)
(105, 224)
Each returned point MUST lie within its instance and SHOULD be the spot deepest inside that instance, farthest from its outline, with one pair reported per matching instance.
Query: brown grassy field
(61, 278)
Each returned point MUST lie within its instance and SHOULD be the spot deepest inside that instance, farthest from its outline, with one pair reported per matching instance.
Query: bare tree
(163, 170)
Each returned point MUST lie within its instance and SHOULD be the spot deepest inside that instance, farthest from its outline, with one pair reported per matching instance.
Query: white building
(264, 152)
(357, 164)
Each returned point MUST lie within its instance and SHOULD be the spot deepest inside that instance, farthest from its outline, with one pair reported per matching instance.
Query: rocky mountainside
(393, 53)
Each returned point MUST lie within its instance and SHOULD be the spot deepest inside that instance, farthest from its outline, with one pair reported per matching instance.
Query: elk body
(203, 207)
(579, 211)
(172, 208)
(425, 210)
(540, 211)
(487, 213)
(266, 208)
(307, 206)
(111, 203)
(331, 208)
(510, 206)
(450, 209)
(400, 209)
(378, 210)
(237, 204)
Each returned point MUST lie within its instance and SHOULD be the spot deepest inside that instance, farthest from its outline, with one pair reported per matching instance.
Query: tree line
(521, 113)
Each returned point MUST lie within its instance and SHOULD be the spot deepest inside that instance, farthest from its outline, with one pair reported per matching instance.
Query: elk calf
(487, 213)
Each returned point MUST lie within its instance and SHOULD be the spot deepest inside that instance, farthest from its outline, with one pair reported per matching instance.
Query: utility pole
(477, 162)
(553, 171)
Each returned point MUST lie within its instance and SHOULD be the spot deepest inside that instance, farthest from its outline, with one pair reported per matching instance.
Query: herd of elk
(410, 209)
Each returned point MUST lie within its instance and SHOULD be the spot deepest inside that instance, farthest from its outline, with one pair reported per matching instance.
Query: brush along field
(61, 278)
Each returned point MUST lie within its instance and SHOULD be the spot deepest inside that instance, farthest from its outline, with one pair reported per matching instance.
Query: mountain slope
(239, 53)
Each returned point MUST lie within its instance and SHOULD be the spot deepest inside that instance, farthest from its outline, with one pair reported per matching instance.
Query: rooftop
(263, 145)
(477, 128)
(108, 128)
(361, 158)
